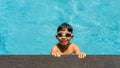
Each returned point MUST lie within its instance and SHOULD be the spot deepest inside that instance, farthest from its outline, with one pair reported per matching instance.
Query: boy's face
(64, 37)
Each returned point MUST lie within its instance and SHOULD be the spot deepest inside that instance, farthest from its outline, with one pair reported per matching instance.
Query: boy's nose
(63, 37)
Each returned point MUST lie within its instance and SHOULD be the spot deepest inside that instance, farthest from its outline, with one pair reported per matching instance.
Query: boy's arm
(77, 52)
(76, 49)
(54, 52)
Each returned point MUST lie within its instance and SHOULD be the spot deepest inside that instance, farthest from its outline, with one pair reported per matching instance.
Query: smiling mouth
(63, 42)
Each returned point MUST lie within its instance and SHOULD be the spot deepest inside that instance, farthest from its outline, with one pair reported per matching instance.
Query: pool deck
(47, 61)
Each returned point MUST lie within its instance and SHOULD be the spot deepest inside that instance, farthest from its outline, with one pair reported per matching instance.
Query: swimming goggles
(64, 34)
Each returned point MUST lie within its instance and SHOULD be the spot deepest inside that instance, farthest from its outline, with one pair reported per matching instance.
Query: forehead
(64, 31)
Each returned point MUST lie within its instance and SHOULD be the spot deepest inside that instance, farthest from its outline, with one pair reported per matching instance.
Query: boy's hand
(56, 54)
(81, 55)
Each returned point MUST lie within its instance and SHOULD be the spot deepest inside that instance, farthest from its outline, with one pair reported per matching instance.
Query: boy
(64, 47)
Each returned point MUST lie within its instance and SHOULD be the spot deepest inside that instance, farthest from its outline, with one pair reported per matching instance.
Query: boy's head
(64, 33)
(65, 26)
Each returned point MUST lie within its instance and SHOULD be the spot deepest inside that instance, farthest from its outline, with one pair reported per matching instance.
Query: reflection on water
(29, 26)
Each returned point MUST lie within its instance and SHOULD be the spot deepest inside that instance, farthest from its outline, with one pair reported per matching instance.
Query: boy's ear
(72, 36)
(56, 36)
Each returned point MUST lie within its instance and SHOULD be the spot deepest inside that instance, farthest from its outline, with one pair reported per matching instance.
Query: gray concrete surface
(47, 61)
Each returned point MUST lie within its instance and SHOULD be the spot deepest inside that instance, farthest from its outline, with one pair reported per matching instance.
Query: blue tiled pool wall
(29, 26)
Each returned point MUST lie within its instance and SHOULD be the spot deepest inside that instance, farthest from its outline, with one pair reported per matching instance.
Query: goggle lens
(66, 35)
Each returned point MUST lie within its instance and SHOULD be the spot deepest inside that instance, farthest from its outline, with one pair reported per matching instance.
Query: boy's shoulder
(55, 46)
(73, 44)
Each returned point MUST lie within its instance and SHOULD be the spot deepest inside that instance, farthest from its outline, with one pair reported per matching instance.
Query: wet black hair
(64, 26)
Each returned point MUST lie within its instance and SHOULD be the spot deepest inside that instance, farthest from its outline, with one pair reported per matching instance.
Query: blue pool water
(29, 26)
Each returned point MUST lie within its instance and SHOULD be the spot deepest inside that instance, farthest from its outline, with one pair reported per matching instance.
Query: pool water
(29, 26)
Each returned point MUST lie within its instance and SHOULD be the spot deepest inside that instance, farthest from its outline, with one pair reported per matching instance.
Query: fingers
(56, 54)
(81, 55)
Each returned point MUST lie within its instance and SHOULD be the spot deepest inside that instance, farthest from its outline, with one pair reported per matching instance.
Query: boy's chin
(64, 43)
